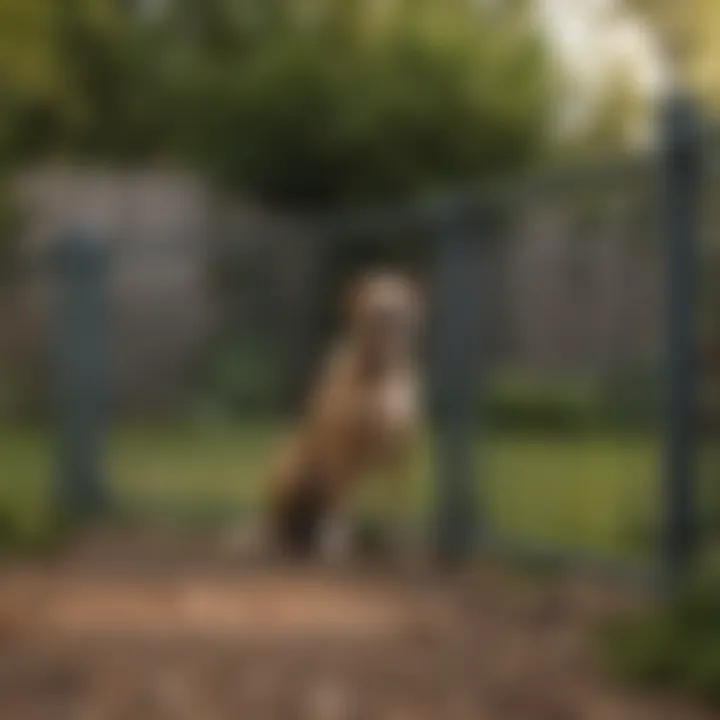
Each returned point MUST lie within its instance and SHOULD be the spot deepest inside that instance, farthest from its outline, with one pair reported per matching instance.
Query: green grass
(597, 492)
(593, 492)
(25, 471)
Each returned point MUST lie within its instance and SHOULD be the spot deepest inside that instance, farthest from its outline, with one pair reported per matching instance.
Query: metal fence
(563, 373)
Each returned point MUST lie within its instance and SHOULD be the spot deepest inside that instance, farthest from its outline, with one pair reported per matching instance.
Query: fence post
(80, 359)
(453, 388)
(682, 151)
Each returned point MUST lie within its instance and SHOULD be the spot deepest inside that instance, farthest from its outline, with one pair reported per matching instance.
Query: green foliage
(688, 30)
(20, 535)
(634, 396)
(242, 379)
(629, 399)
(523, 402)
(81, 79)
(677, 645)
(624, 113)
(28, 523)
(333, 111)
(299, 102)
(29, 65)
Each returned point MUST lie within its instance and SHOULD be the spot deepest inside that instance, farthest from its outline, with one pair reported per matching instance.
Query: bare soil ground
(155, 627)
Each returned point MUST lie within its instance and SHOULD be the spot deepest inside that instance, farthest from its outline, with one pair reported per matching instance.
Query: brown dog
(362, 416)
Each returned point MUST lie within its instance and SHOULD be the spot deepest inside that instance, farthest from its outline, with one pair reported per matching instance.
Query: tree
(78, 78)
(30, 77)
(30, 74)
(331, 102)
(689, 29)
(299, 102)
(621, 118)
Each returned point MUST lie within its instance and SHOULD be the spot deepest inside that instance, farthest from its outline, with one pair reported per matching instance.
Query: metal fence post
(81, 379)
(682, 191)
(453, 385)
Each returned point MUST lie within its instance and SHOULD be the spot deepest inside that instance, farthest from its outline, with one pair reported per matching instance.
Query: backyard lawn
(594, 492)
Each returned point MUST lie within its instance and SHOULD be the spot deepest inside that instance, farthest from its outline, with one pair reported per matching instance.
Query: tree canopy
(298, 102)
(689, 29)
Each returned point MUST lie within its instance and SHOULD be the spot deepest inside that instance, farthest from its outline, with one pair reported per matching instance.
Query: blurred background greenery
(309, 102)
(299, 103)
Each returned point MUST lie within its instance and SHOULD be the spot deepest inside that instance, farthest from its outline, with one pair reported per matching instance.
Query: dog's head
(386, 316)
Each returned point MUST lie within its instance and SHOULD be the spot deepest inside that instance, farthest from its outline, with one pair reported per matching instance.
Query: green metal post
(682, 189)
(81, 372)
(453, 381)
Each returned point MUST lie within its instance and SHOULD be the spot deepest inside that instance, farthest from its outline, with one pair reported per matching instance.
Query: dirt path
(156, 629)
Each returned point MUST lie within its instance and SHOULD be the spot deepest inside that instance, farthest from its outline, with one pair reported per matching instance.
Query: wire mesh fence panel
(571, 401)
(211, 337)
(217, 343)
(196, 331)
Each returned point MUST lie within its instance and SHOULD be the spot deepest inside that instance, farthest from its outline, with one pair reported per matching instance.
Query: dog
(363, 416)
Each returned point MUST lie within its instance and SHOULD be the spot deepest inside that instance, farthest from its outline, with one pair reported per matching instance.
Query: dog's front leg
(337, 538)
(335, 541)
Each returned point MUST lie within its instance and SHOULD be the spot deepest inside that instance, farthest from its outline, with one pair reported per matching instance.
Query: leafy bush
(634, 396)
(299, 102)
(523, 402)
(242, 378)
(25, 530)
(339, 103)
(677, 645)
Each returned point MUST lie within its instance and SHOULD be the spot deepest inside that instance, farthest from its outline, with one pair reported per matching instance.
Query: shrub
(29, 531)
(243, 378)
(518, 401)
(677, 645)
(634, 396)
(340, 105)
(523, 402)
